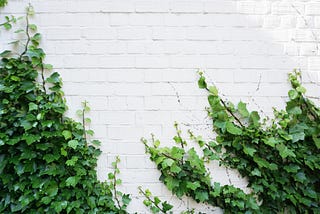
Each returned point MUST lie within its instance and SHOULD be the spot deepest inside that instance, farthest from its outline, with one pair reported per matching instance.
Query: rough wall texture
(136, 62)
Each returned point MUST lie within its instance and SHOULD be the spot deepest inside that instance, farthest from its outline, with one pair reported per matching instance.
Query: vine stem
(28, 36)
(228, 110)
(42, 77)
(152, 201)
(115, 183)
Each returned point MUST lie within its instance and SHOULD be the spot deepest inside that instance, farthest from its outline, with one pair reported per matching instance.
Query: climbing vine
(280, 158)
(47, 163)
(3, 3)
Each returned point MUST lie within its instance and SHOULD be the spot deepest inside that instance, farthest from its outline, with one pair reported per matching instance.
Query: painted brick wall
(135, 61)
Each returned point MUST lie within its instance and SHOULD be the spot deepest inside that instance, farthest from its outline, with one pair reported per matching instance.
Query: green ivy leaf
(300, 177)
(175, 169)
(293, 94)
(147, 203)
(171, 183)
(193, 185)
(261, 162)
(301, 89)
(292, 168)
(232, 129)
(71, 181)
(249, 151)
(54, 78)
(5, 53)
(72, 161)
(46, 200)
(26, 125)
(3, 162)
(166, 207)
(316, 141)
(33, 27)
(67, 134)
(73, 144)
(96, 142)
(202, 82)
(284, 151)
(52, 189)
(50, 157)
(156, 200)
(213, 90)
(126, 199)
(201, 196)
(167, 163)
(242, 108)
(256, 172)
(271, 141)
(91, 202)
(254, 118)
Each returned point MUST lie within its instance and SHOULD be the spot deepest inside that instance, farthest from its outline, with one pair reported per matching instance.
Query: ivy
(47, 164)
(280, 158)
(3, 3)
(154, 203)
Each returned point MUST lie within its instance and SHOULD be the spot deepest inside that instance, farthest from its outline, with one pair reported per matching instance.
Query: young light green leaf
(242, 108)
(213, 90)
(232, 129)
(67, 134)
(73, 144)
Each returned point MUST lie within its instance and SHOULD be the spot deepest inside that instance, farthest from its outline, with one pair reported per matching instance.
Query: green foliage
(3, 3)
(47, 164)
(280, 159)
(114, 182)
(154, 203)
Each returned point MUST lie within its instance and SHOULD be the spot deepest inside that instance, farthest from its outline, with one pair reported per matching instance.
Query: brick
(314, 63)
(62, 34)
(146, 19)
(168, 33)
(186, 7)
(317, 22)
(105, 47)
(271, 21)
(313, 8)
(152, 62)
(117, 75)
(285, 8)
(116, 62)
(217, 6)
(135, 33)
(118, 19)
(152, 6)
(131, 133)
(117, 117)
(253, 7)
(135, 103)
(102, 33)
(288, 22)
(304, 36)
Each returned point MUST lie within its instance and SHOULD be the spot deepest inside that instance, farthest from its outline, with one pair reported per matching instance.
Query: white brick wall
(134, 59)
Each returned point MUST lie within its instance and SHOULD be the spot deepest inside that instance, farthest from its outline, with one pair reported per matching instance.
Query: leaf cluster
(46, 162)
(280, 158)
(154, 203)
(3, 3)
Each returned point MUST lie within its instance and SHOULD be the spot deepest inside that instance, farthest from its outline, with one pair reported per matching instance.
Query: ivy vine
(47, 165)
(280, 158)
(3, 3)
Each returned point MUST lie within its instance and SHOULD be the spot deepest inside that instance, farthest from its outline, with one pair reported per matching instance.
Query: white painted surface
(133, 60)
